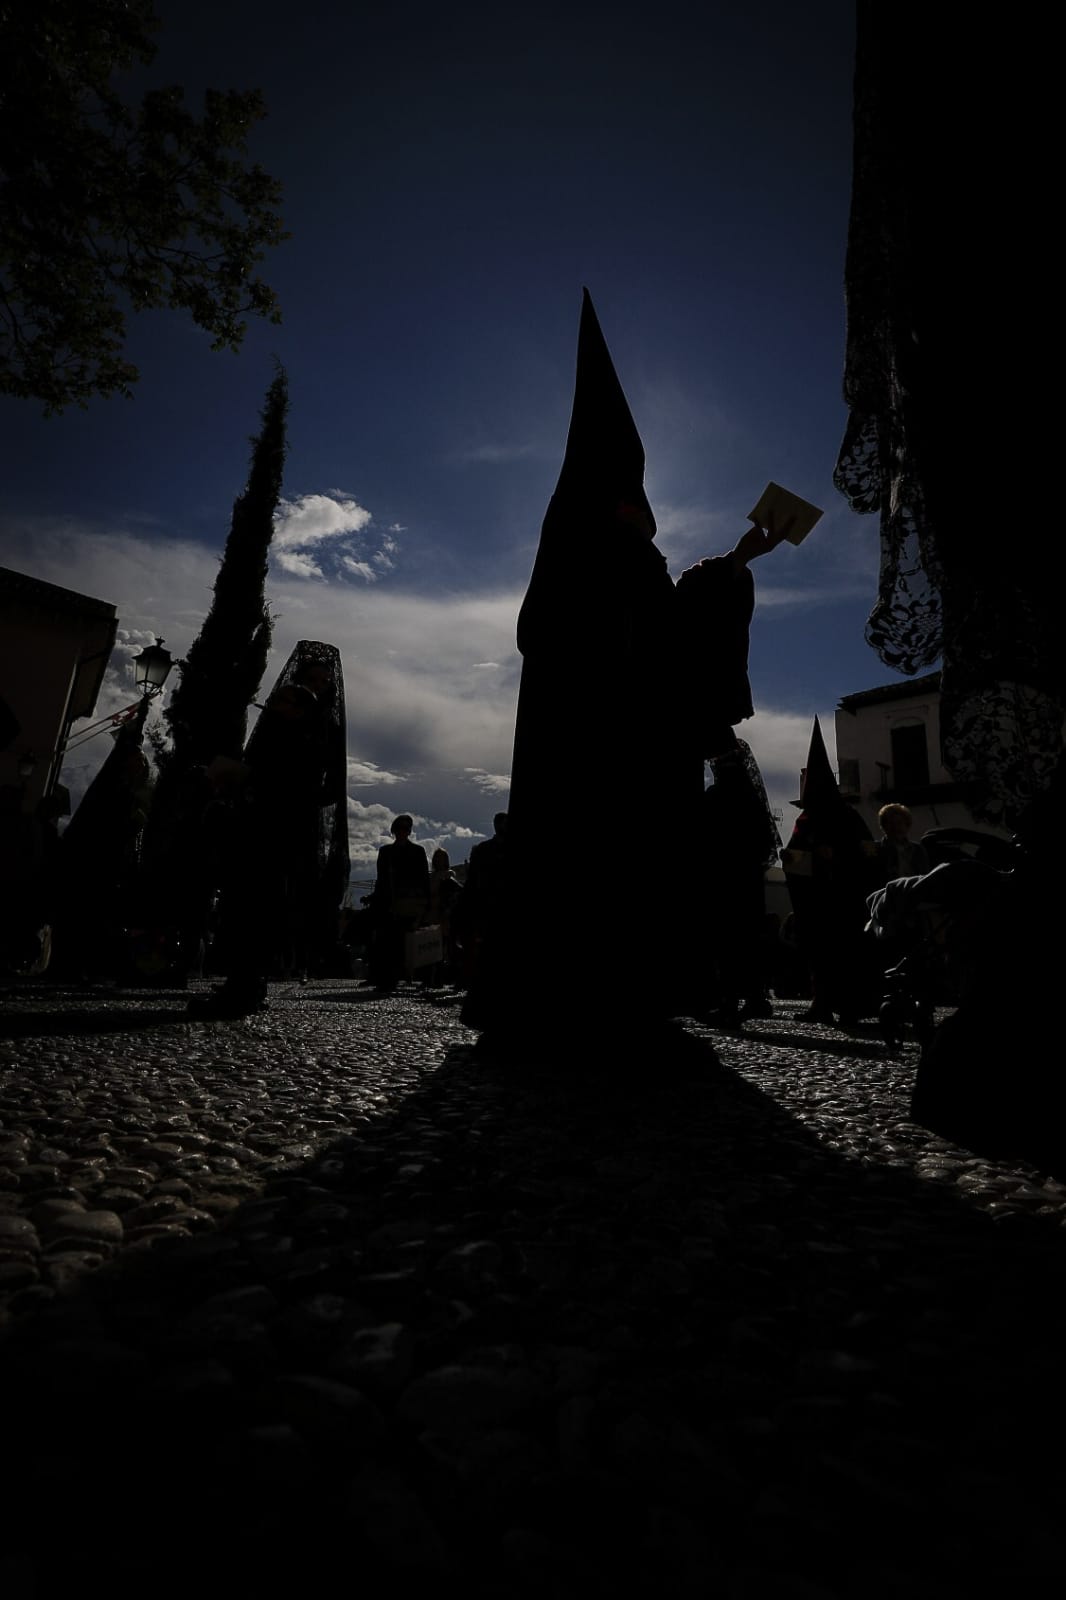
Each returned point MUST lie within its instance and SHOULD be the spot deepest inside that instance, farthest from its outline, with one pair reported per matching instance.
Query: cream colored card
(778, 505)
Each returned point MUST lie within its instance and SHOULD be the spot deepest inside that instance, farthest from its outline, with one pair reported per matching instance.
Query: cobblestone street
(328, 1297)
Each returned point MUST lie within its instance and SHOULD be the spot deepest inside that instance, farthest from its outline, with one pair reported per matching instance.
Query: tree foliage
(162, 751)
(220, 677)
(107, 206)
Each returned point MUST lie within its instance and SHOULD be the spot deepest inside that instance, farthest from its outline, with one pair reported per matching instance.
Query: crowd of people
(630, 679)
(833, 953)
(239, 866)
(245, 878)
(421, 919)
(246, 856)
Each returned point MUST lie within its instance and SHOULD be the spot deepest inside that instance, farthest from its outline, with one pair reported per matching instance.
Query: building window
(910, 757)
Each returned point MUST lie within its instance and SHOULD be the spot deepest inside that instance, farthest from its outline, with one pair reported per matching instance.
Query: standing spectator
(444, 893)
(401, 900)
(897, 855)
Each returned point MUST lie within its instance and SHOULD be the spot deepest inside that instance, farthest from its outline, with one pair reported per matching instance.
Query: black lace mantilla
(938, 430)
(764, 823)
(317, 666)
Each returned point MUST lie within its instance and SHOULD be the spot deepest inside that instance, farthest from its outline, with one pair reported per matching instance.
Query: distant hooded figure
(830, 868)
(323, 831)
(612, 711)
(286, 860)
(298, 756)
(97, 862)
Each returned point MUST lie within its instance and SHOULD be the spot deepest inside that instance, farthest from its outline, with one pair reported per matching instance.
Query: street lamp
(151, 668)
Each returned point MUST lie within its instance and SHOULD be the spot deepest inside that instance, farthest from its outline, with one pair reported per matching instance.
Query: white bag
(422, 948)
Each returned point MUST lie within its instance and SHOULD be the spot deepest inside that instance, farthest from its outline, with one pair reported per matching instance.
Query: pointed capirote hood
(819, 785)
(108, 796)
(604, 460)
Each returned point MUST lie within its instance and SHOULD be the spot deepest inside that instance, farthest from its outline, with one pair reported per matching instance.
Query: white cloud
(430, 726)
(358, 569)
(365, 774)
(299, 565)
(778, 596)
(496, 454)
(368, 830)
(383, 557)
(493, 783)
(320, 535)
(310, 518)
(419, 711)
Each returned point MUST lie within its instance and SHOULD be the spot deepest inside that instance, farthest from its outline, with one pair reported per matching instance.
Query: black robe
(283, 840)
(96, 893)
(628, 684)
(597, 731)
(831, 867)
(618, 706)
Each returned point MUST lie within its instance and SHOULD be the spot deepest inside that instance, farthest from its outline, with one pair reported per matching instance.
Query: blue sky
(452, 178)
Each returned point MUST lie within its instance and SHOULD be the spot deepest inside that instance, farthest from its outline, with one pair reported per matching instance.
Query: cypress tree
(208, 711)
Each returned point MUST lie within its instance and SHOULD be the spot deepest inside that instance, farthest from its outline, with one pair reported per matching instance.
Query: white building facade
(888, 748)
(54, 649)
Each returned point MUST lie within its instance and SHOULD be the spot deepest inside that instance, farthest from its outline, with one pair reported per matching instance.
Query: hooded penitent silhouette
(818, 789)
(604, 768)
(98, 858)
(599, 514)
(283, 839)
(604, 458)
(324, 771)
(830, 866)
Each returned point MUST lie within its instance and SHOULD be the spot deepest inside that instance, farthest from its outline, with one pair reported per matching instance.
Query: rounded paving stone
(18, 1233)
(86, 1228)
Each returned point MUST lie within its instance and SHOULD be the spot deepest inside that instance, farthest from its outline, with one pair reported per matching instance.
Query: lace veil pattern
(317, 667)
(937, 317)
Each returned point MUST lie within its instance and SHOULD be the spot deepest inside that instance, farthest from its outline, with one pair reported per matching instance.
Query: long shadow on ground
(553, 1333)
